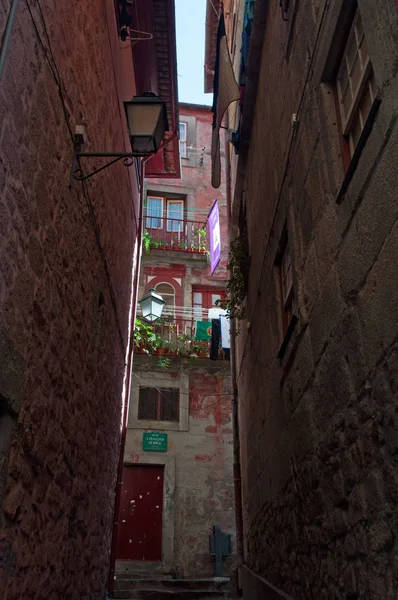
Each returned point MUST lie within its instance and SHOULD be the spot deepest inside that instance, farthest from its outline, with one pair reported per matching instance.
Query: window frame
(149, 218)
(158, 393)
(354, 114)
(183, 140)
(168, 218)
(168, 309)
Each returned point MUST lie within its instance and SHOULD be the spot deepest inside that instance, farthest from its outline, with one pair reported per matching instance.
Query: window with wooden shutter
(159, 404)
(147, 406)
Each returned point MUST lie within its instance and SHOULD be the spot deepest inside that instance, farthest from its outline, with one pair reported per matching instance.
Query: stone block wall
(65, 290)
(319, 445)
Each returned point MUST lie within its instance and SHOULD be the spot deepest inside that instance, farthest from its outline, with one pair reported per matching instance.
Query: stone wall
(318, 426)
(65, 287)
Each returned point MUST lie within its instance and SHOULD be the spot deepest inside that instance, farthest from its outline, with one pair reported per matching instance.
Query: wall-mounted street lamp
(147, 122)
(152, 305)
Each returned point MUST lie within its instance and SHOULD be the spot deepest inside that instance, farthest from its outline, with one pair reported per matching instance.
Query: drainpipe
(119, 481)
(235, 415)
(7, 35)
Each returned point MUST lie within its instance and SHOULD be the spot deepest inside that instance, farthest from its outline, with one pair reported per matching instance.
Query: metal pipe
(7, 35)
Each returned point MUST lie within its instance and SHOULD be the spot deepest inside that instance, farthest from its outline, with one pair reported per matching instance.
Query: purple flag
(214, 232)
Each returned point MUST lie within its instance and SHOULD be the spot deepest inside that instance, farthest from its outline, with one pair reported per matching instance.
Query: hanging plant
(238, 266)
(146, 241)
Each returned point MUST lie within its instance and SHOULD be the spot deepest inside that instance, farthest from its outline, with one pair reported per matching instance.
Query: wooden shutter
(169, 405)
(147, 403)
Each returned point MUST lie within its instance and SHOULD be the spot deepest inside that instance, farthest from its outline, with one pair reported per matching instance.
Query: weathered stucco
(201, 491)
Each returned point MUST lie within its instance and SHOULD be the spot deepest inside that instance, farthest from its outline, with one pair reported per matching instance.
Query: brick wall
(62, 359)
(319, 446)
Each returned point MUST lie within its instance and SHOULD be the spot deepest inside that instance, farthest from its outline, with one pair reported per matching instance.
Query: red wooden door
(140, 514)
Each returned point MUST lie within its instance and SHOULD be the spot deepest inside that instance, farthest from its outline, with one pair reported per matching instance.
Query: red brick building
(176, 390)
(68, 279)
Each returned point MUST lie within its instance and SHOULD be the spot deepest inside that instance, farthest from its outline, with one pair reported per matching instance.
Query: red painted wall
(198, 179)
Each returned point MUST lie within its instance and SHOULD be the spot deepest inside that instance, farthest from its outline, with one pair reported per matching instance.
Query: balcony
(177, 235)
(173, 335)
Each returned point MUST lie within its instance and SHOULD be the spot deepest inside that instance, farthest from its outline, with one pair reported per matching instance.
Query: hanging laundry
(225, 332)
(215, 339)
(203, 330)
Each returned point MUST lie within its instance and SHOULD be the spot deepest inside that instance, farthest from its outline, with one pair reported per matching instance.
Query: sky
(190, 25)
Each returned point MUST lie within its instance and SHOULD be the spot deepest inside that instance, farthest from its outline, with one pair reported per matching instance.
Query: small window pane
(183, 140)
(175, 215)
(183, 132)
(355, 132)
(366, 104)
(356, 74)
(214, 298)
(147, 403)
(343, 80)
(352, 51)
(154, 210)
(169, 404)
(347, 103)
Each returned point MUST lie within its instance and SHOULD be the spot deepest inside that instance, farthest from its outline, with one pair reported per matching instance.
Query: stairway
(171, 589)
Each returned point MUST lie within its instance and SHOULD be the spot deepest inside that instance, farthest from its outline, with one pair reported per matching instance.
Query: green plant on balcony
(147, 241)
(183, 245)
(144, 336)
(159, 244)
(201, 232)
(200, 242)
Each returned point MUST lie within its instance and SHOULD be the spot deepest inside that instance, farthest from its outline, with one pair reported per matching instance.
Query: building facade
(313, 200)
(177, 392)
(68, 277)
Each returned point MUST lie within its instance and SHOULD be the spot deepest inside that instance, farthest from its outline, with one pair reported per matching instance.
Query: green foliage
(200, 231)
(238, 266)
(164, 362)
(146, 241)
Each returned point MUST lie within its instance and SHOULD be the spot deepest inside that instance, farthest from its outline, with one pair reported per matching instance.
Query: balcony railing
(179, 235)
(173, 335)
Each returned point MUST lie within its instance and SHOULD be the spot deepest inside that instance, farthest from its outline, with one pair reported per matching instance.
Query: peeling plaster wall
(201, 454)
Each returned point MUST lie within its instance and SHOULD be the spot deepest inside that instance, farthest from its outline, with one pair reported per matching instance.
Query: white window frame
(149, 218)
(365, 82)
(169, 219)
(169, 309)
(183, 139)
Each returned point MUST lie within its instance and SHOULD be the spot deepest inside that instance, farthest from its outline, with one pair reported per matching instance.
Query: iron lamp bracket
(77, 173)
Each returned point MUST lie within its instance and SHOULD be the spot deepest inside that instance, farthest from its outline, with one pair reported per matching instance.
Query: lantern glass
(152, 305)
(147, 122)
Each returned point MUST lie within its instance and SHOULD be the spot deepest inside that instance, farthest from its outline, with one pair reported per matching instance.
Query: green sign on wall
(154, 441)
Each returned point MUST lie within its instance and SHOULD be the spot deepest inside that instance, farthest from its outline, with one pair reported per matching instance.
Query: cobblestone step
(129, 588)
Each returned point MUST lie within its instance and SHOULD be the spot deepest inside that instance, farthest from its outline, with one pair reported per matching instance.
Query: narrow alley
(198, 299)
